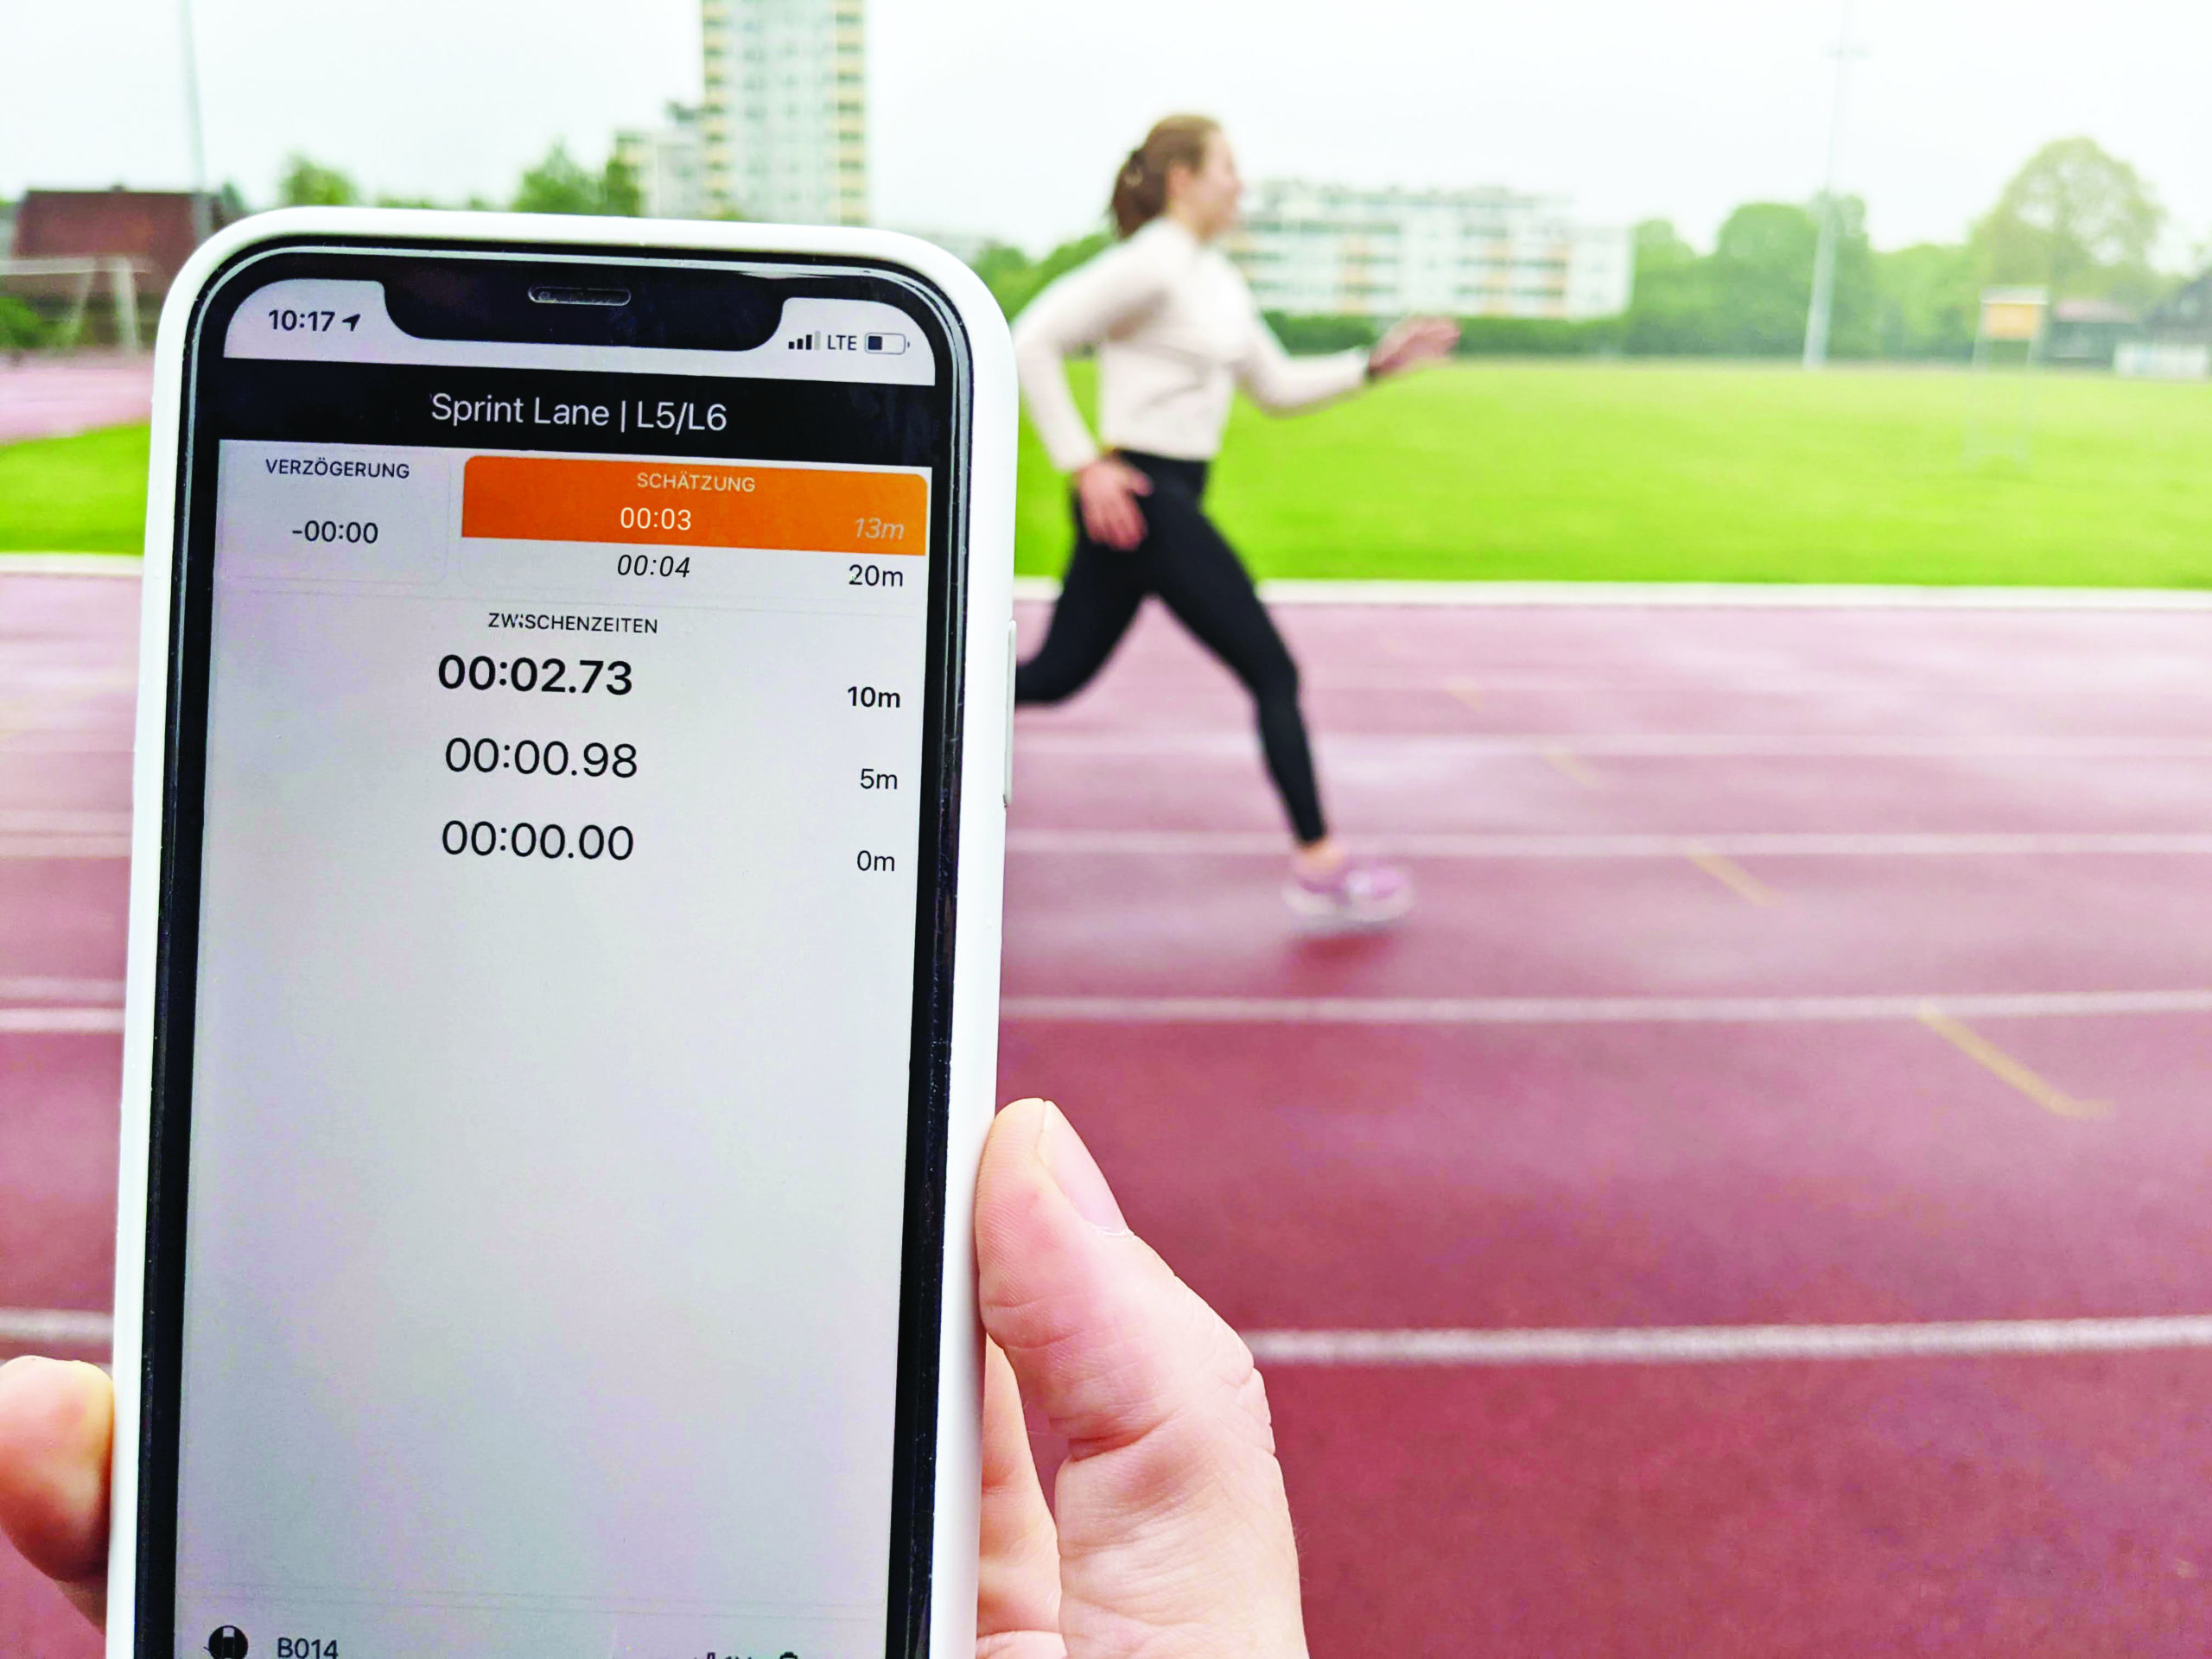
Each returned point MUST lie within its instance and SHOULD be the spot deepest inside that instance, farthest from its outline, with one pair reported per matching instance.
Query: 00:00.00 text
(484, 838)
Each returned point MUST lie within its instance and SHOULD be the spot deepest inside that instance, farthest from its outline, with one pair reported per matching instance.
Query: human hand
(1412, 343)
(1173, 1536)
(56, 1420)
(1108, 490)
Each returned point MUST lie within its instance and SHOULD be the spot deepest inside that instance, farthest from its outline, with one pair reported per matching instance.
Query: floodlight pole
(202, 226)
(1816, 316)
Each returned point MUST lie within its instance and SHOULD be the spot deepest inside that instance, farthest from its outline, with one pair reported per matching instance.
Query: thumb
(1175, 1533)
(56, 1421)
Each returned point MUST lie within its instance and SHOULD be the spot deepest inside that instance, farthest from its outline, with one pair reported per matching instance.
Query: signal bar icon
(882, 345)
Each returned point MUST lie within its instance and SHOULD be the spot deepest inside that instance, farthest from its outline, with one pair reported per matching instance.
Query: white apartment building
(670, 165)
(783, 126)
(1331, 250)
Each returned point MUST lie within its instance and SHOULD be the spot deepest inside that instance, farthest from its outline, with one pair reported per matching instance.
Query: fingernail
(1076, 1172)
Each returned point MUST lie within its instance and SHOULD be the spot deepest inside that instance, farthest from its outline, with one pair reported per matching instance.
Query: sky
(1007, 118)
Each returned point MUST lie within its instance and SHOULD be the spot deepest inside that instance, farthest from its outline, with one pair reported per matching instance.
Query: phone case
(986, 727)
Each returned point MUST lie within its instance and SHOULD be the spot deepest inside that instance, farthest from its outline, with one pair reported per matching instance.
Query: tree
(558, 185)
(1014, 279)
(561, 184)
(21, 327)
(2075, 220)
(1748, 298)
(1763, 277)
(999, 262)
(1674, 309)
(1660, 247)
(620, 193)
(1927, 301)
(1322, 333)
(308, 183)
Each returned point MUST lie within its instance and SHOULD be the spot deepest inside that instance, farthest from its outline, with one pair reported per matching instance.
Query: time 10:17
(286, 320)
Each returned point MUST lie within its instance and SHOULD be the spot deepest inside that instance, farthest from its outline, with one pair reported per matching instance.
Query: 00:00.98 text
(551, 757)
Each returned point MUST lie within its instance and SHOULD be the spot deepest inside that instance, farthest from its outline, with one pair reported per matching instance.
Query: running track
(1753, 1207)
(51, 396)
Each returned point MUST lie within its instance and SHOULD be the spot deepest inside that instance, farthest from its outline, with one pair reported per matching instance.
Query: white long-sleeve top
(1176, 330)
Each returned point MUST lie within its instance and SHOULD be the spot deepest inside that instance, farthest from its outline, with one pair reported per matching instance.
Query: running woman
(1176, 330)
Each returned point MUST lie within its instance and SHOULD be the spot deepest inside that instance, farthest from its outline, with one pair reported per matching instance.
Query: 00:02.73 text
(533, 674)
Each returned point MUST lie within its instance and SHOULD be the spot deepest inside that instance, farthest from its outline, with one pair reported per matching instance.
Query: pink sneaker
(1359, 893)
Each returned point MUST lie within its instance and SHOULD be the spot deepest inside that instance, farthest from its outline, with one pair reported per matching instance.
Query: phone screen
(547, 1064)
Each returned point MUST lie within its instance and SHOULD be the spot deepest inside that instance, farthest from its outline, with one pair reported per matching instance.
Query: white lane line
(1696, 595)
(47, 988)
(72, 564)
(54, 1327)
(2169, 677)
(1267, 843)
(64, 847)
(1257, 843)
(33, 688)
(65, 821)
(1708, 1344)
(17, 1022)
(1589, 1010)
(1032, 741)
(1633, 1346)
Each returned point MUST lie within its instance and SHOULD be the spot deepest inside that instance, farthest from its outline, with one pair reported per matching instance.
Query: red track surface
(1636, 1174)
(47, 397)
(1553, 1173)
(67, 659)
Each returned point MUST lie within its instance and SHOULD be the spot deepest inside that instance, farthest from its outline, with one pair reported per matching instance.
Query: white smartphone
(565, 943)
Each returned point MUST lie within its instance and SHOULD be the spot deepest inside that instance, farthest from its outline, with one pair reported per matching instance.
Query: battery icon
(885, 344)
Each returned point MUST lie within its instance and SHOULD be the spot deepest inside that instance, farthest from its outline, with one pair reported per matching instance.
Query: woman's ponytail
(1140, 187)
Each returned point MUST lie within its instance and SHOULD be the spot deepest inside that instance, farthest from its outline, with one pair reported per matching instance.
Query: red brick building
(151, 228)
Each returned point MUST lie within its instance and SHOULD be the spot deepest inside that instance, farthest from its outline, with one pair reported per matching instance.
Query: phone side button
(1007, 794)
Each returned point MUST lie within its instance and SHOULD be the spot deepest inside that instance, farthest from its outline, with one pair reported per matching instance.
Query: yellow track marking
(1466, 690)
(1992, 1058)
(1732, 876)
(1564, 759)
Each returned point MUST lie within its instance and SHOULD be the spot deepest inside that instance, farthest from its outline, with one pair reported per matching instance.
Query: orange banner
(2010, 319)
(691, 504)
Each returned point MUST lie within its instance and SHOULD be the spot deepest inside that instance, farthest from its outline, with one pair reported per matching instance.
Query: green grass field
(1666, 471)
(75, 495)
(1590, 471)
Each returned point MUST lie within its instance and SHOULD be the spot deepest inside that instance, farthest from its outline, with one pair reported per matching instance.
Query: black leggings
(1198, 576)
